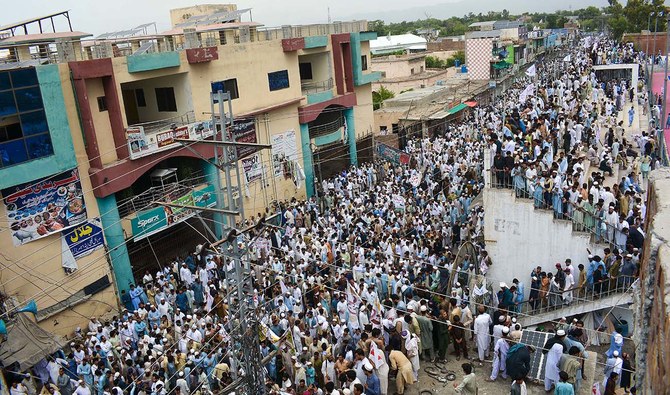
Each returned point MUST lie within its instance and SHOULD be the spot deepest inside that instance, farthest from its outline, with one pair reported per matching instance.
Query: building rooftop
(484, 34)
(483, 24)
(398, 58)
(42, 38)
(386, 44)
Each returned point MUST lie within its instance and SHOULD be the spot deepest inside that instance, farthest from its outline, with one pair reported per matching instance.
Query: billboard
(152, 221)
(44, 207)
(141, 143)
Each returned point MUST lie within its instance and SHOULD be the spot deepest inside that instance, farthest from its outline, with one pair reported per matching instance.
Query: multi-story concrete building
(87, 143)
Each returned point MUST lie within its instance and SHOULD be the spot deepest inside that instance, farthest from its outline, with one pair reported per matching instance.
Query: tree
(379, 27)
(435, 63)
(378, 97)
(505, 14)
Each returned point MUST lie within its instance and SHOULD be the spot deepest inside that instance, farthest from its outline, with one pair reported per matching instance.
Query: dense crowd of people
(366, 286)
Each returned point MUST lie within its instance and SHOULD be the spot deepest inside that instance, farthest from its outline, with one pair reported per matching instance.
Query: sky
(97, 17)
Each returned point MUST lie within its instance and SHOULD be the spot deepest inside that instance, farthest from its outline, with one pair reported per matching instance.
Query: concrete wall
(519, 238)
(365, 123)
(386, 118)
(417, 81)
(275, 122)
(94, 90)
(182, 94)
(33, 270)
(399, 67)
(652, 301)
(321, 69)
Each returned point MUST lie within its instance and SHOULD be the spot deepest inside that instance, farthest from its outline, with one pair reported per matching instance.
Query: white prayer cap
(424, 308)
(615, 353)
(560, 332)
(503, 285)
(505, 330)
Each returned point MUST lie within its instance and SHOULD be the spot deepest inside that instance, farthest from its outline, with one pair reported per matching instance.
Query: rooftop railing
(62, 51)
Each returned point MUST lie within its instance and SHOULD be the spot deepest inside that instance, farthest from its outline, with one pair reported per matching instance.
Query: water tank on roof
(464, 69)
(457, 62)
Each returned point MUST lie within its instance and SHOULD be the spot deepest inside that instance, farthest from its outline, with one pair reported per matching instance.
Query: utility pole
(246, 361)
(244, 334)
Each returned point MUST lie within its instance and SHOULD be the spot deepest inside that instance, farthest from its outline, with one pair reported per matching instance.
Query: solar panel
(537, 358)
(144, 48)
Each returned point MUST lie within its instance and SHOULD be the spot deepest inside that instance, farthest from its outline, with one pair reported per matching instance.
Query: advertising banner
(167, 137)
(253, 169)
(244, 131)
(141, 143)
(84, 239)
(137, 141)
(43, 207)
(391, 154)
(152, 221)
(205, 197)
(148, 222)
(284, 152)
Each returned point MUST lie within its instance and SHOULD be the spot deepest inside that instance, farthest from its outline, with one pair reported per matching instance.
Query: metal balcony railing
(163, 124)
(166, 193)
(316, 86)
(326, 128)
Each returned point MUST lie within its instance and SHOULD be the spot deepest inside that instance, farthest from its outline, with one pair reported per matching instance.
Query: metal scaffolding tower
(245, 353)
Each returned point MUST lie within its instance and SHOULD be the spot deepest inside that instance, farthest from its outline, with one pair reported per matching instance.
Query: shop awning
(27, 343)
(457, 108)
(471, 103)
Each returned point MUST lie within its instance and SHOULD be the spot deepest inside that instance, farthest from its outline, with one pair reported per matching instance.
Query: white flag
(376, 355)
(532, 71)
(67, 258)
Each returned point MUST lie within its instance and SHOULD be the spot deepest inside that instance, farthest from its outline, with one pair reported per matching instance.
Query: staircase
(577, 308)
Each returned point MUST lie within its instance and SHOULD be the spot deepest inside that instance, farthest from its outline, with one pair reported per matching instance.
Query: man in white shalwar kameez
(551, 368)
(412, 347)
(481, 327)
(499, 356)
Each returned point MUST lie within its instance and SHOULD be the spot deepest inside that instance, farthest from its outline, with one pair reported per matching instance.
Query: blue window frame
(278, 80)
(24, 130)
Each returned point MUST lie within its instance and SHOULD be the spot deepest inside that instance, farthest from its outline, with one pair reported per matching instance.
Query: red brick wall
(640, 41)
(446, 45)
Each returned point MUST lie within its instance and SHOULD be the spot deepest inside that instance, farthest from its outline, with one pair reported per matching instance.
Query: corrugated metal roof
(400, 40)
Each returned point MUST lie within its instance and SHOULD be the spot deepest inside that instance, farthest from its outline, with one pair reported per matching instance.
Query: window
(102, 103)
(24, 131)
(139, 98)
(412, 71)
(165, 100)
(229, 86)
(364, 62)
(278, 80)
(306, 71)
